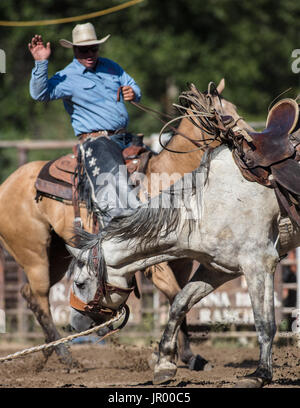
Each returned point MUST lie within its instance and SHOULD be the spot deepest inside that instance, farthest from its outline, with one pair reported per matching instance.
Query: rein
(150, 110)
(203, 114)
(158, 115)
(197, 142)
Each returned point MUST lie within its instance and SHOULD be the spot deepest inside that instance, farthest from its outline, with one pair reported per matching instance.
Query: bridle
(94, 308)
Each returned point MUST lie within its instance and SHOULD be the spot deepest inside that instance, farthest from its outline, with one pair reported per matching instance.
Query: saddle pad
(57, 176)
(47, 184)
(64, 168)
(287, 174)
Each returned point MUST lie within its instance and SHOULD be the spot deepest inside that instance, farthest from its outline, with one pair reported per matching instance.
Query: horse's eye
(80, 264)
(80, 285)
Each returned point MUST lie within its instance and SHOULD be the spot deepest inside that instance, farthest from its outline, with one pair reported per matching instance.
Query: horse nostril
(68, 328)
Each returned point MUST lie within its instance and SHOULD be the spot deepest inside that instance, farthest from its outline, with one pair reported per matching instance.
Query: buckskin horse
(34, 233)
(239, 216)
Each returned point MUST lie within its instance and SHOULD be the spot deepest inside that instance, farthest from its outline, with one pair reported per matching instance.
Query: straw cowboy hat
(82, 35)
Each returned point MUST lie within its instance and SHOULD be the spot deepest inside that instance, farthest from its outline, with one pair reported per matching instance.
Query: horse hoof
(164, 373)
(250, 382)
(153, 360)
(198, 363)
(40, 365)
(76, 366)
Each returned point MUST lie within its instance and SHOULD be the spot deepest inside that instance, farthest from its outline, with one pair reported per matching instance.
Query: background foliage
(163, 45)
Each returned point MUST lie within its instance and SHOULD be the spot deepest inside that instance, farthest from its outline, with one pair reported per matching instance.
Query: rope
(69, 19)
(159, 116)
(194, 141)
(200, 110)
(35, 349)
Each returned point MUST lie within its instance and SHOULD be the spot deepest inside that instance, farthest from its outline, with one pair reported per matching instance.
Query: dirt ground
(122, 366)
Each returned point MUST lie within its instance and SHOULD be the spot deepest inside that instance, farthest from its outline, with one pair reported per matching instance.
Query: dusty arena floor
(109, 366)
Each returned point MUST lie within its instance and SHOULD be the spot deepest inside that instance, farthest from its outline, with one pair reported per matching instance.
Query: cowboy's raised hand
(37, 48)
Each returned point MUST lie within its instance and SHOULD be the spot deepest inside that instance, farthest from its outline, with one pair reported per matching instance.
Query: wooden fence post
(2, 280)
(22, 156)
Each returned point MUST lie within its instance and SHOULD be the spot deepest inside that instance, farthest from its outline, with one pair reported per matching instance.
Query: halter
(94, 307)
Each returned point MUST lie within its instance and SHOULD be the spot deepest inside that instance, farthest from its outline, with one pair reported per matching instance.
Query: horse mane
(160, 216)
(150, 221)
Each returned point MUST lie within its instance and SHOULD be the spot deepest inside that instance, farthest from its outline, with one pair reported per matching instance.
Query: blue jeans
(123, 140)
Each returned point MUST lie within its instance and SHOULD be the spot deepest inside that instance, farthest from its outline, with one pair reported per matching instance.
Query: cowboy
(93, 90)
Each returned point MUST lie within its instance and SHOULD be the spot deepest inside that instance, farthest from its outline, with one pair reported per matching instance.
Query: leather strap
(75, 196)
(77, 303)
(94, 305)
(286, 207)
(100, 133)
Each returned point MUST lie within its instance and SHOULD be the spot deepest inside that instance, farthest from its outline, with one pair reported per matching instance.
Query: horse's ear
(136, 288)
(221, 86)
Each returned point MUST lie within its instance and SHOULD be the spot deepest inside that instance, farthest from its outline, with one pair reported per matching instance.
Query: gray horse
(213, 215)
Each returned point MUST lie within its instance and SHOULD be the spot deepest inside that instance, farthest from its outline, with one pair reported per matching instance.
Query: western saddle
(273, 144)
(271, 158)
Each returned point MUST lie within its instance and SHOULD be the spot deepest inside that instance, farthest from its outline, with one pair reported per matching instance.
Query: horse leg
(261, 291)
(38, 303)
(59, 260)
(164, 279)
(182, 270)
(194, 361)
(36, 294)
(203, 282)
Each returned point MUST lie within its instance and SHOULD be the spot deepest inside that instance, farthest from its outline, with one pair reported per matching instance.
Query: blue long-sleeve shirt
(90, 97)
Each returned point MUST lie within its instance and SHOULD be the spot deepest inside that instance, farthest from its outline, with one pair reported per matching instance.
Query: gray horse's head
(90, 305)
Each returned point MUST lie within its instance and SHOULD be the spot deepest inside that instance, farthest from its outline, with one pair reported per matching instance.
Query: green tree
(163, 45)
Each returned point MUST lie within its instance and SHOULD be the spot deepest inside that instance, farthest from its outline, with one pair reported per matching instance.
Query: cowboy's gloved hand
(37, 48)
(128, 93)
